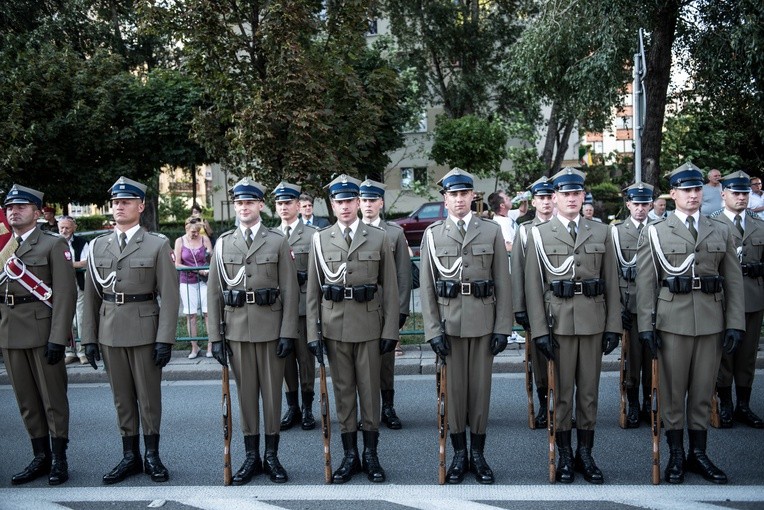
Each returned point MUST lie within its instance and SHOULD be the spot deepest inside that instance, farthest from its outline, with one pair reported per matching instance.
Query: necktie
(739, 224)
(19, 240)
(248, 237)
(691, 227)
(572, 230)
(288, 232)
(348, 237)
(639, 228)
(309, 222)
(122, 241)
(460, 226)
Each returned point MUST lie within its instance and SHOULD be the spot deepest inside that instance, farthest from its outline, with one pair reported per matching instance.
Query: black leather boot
(308, 421)
(40, 464)
(458, 467)
(540, 421)
(564, 472)
(350, 463)
(292, 415)
(131, 463)
(698, 461)
(725, 406)
(252, 464)
(389, 417)
(271, 464)
(371, 465)
(152, 464)
(584, 462)
(59, 468)
(743, 412)
(632, 414)
(674, 472)
(478, 465)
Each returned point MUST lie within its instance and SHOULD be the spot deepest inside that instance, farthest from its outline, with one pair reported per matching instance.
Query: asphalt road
(192, 449)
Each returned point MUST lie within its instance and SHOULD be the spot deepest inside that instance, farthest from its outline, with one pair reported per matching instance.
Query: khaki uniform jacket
(369, 260)
(35, 324)
(402, 263)
(752, 251)
(145, 266)
(693, 314)
(299, 243)
(593, 258)
(484, 257)
(268, 263)
(628, 238)
(517, 264)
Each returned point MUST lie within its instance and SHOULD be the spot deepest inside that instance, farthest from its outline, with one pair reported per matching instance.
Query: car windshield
(429, 211)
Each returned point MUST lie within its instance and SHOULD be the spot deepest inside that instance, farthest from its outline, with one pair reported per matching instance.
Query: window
(409, 176)
(372, 27)
(429, 211)
(418, 125)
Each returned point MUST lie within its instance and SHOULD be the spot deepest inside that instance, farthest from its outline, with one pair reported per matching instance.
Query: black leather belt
(12, 300)
(122, 298)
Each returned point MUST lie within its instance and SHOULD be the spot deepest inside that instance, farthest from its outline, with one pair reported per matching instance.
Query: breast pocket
(141, 270)
(594, 252)
(39, 267)
(447, 254)
(232, 263)
(333, 259)
(557, 253)
(301, 256)
(717, 251)
(483, 253)
(267, 263)
(369, 261)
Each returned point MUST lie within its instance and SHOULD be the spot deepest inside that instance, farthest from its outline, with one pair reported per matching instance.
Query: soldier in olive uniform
(129, 270)
(571, 278)
(372, 202)
(301, 362)
(748, 235)
(34, 330)
(689, 307)
(465, 282)
(353, 291)
(639, 198)
(542, 192)
(253, 277)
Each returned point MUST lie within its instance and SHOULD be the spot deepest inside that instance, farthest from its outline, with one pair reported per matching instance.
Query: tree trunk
(562, 145)
(551, 138)
(656, 83)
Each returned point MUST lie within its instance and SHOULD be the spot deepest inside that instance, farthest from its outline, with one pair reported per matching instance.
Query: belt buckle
(348, 292)
(466, 289)
(10, 300)
(119, 298)
(250, 297)
(578, 288)
(696, 283)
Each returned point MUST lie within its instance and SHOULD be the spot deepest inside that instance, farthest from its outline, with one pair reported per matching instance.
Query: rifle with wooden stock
(323, 402)
(552, 388)
(529, 381)
(655, 418)
(227, 425)
(441, 383)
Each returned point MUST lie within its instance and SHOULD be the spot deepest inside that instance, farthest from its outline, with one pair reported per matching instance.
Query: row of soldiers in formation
(573, 287)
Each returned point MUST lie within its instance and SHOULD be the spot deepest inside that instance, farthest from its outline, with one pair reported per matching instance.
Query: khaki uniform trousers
(40, 391)
(136, 384)
(300, 363)
(469, 368)
(579, 361)
(688, 366)
(387, 371)
(741, 365)
(538, 364)
(258, 373)
(639, 363)
(355, 371)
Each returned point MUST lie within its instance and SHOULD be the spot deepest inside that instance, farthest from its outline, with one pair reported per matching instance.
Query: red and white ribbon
(15, 269)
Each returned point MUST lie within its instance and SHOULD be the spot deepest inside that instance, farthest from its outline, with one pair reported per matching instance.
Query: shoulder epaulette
(277, 230)
(435, 223)
(527, 222)
(50, 233)
(716, 214)
(393, 224)
(227, 233)
(750, 214)
(159, 235)
(617, 223)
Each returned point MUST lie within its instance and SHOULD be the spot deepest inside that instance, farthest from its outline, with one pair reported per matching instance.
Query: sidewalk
(417, 359)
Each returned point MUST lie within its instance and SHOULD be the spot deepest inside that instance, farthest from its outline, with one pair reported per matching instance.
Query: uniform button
(576, 252)
(249, 275)
(578, 263)
(697, 249)
(464, 252)
(350, 272)
(578, 277)
(466, 265)
(119, 268)
(119, 279)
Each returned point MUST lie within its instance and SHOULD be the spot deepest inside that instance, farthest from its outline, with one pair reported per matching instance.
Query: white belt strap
(667, 267)
(230, 282)
(617, 245)
(446, 272)
(560, 270)
(329, 275)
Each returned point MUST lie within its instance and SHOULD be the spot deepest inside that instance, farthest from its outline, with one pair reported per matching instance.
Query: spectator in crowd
(50, 225)
(79, 249)
(659, 209)
(205, 229)
(193, 250)
(756, 201)
(306, 213)
(505, 216)
(712, 193)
